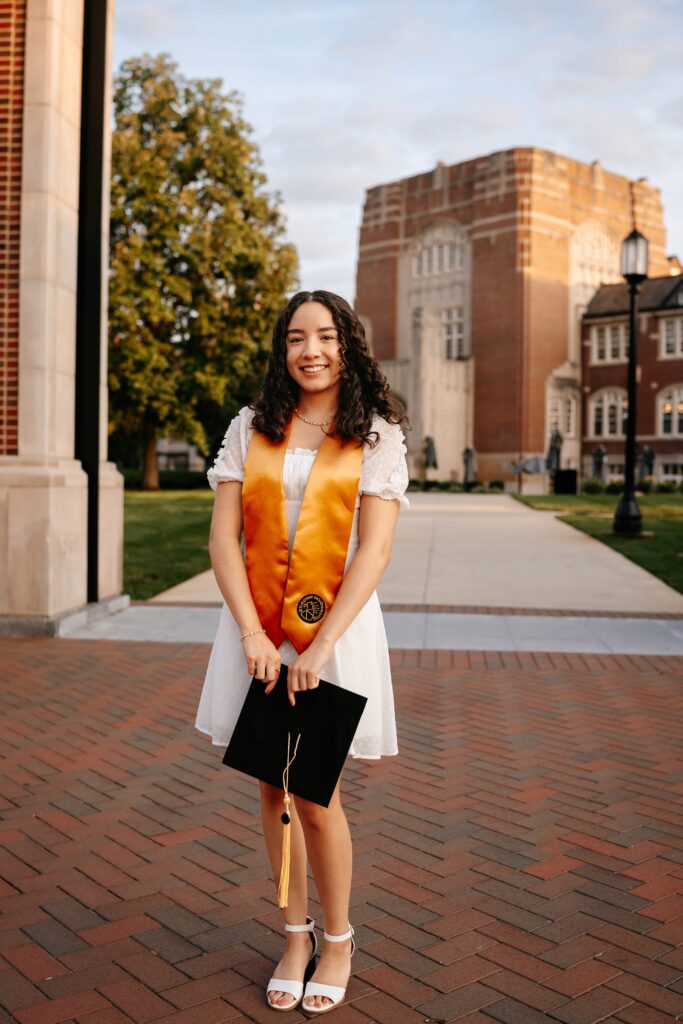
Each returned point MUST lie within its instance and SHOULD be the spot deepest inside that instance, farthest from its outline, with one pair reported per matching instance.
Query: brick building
(472, 280)
(659, 377)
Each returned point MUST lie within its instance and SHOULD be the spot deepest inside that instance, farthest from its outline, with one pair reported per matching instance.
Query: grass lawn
(166, 536)
(167, 533)
(662, 554)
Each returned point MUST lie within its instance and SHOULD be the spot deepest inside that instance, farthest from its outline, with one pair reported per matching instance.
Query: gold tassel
(283, 886)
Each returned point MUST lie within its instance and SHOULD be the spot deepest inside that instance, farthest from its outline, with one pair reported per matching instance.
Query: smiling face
(313, 355)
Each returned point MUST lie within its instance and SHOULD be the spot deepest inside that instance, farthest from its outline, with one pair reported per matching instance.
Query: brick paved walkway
(520, 861)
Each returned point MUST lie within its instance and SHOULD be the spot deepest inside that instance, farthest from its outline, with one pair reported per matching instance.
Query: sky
(343, 96)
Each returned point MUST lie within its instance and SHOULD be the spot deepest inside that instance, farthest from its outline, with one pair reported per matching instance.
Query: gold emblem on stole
(311, 608)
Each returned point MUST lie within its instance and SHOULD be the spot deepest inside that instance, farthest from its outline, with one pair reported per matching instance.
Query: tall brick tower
(472, 280)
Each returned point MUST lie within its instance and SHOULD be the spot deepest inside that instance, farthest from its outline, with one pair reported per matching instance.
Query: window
(435, 253)
(608, 411)
(600, 345)
(453, 332)
(610, 343)
(562, 415)
(614, 342)
(594, 256)
(671, 337)
(670, 412)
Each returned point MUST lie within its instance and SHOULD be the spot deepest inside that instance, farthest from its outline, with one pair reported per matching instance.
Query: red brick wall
(653, 375)
(377, 281)
(499, 326)
(12, 31)
(520, 208)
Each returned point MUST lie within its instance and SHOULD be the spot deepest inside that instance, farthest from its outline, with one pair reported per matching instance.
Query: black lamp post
(634, 257)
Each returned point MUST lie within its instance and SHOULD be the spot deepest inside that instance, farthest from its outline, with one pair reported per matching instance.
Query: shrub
(666, 487)
(593, 486)
(496, 485)
(614, 487)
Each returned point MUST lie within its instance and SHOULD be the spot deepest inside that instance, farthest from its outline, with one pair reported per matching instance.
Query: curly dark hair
(363, 391)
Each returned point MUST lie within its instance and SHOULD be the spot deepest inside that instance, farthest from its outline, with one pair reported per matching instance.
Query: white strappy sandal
(334, 992)
(295, 988)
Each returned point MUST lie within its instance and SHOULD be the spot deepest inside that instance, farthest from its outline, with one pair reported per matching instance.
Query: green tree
(199, 266)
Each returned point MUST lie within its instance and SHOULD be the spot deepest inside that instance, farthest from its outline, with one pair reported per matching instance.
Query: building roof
(655, 293)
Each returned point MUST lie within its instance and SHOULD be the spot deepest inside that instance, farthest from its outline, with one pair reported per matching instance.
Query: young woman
(324, 400)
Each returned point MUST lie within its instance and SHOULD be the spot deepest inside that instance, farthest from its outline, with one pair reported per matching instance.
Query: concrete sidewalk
(413, 630)
(490, 550)
(469, 572)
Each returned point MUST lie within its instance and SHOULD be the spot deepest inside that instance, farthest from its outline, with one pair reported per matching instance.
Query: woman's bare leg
(328, 844)
(299, 946)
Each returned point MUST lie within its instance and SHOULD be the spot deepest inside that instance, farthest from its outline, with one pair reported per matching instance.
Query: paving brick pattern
(520, 861)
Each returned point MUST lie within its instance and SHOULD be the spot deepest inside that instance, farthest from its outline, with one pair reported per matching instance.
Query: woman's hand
(303, 674)
(262, 658)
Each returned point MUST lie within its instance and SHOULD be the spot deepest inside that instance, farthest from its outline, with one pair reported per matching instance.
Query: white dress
(360, 657)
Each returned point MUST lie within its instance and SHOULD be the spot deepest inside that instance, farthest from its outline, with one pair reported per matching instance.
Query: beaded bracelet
(256, 631)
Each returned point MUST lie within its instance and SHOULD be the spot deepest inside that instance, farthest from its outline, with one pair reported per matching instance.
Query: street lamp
(634, 257)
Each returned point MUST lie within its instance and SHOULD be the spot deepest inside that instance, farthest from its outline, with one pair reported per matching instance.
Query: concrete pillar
(43, 488)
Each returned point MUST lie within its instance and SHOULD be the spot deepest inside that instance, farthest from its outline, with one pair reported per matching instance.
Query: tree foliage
(199, 265)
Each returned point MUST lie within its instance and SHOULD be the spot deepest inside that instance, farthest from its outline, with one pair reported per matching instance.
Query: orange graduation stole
(292, 596)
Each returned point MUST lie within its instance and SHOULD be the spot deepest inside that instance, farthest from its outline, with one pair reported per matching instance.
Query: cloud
(157, 21)
(361, 92)
(671, 112)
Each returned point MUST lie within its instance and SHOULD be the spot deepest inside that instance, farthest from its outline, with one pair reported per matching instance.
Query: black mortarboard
(299, 749)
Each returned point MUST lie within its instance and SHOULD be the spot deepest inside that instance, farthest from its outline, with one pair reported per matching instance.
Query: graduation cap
(298, 749)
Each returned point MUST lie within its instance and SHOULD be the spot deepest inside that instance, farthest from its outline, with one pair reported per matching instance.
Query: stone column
(43, 488)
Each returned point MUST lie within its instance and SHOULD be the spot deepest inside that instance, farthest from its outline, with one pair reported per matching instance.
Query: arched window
(607, 413)
(670, 411)
(441, 249)
(594, 257)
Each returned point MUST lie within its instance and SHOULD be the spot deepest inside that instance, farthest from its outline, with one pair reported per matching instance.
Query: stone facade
(472, 280)
(659, 376)
(43, 487)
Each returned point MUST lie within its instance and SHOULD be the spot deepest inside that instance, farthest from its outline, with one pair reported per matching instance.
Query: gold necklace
(312, 422)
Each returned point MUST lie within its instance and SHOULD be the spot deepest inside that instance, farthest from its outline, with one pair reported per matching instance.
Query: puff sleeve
(229, 463)
(384, 471)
